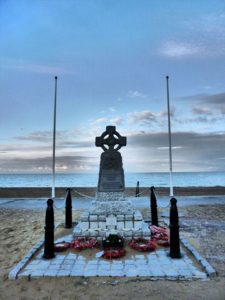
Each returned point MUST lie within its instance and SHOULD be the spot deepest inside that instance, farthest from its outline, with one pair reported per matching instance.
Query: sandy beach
(202, 225)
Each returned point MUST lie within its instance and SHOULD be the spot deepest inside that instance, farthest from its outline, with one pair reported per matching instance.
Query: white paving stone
(144, 272)
(90, 272)
(156, 265)
(75, 272)
(117, 273)
(103, 272)
(63, 273)
(50, 273)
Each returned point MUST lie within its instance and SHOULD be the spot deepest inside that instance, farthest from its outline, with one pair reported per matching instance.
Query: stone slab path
(157, 265)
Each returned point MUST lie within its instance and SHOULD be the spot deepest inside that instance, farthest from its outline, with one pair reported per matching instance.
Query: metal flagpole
(169, 132)
(54, 138)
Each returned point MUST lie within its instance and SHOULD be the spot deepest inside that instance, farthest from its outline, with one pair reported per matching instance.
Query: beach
(202, 225)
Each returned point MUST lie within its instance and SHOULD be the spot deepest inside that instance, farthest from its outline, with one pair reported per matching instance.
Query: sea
(181, 179)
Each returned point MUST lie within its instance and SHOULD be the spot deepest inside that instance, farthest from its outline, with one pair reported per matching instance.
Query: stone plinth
(101, 225)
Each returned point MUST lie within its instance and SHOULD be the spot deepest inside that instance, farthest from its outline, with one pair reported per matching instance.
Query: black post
(49, 231)
(68, 212)
(137, 190)
(174, 230)
(154, 212)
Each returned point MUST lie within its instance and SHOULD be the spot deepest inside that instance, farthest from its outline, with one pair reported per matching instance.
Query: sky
(111, 58)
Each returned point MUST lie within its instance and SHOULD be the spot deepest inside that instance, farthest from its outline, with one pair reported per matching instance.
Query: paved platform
(84, 203)
(87, 263)
(156, 264)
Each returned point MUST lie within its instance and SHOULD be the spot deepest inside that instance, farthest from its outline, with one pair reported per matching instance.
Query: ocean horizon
(161, 179)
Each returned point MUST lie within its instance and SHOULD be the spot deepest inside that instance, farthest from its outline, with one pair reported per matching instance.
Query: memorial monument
(111, 212)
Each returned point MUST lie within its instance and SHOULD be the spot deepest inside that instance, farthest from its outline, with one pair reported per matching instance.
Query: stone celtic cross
(110, 139)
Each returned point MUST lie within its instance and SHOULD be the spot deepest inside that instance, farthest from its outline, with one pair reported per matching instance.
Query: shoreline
(37, 192)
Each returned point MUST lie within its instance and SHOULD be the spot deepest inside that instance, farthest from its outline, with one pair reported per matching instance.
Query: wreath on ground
(160, 234)
(78, 244)
(113, 252)
(61, 246)
(113, 246)
(143, 245)
(84, 243)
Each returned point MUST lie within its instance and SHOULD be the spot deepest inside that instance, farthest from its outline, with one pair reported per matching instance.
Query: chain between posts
(160, 206)
(81, 194)
(143, 192)
(90, 197)
(61, 206)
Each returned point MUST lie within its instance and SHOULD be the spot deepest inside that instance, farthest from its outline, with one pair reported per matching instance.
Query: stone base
(128, 225)
(110, 196)
(117, 207)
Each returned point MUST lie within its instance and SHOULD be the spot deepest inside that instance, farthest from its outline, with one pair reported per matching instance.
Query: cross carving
(110, 139)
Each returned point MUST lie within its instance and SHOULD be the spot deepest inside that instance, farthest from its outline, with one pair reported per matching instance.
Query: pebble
(114, 282)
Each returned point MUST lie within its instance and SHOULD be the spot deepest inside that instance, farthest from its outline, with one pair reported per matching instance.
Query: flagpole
(169, 132)
(54, 138)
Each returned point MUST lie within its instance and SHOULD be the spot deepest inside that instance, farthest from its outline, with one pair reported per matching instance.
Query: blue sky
(111, 59)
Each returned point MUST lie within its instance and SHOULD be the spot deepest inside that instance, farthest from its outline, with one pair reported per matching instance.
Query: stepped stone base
(111, 213)
(105, 219)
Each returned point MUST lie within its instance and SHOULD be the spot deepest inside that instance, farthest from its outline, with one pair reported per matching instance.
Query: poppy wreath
(142, 245)
(114, 252)
(84, 243)
(160, 235)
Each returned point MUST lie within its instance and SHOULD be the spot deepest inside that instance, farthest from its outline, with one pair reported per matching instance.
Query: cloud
(112, 109)
(64, 138)
(209, 31)
(145, 151)
(202, 37)
(191, 151)
(99, 121)
(212, 23)
(216, 101)
(116, 121)
(207, 98)
(167, 148)
(44, 164)
(201, 111)
(164, 113)
(179, 50)
(205, 111)
(37, 136)
(136, 94)
(146, 117)
(43, 140)
(25, 66)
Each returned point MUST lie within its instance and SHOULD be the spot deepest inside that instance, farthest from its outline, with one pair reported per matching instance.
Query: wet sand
(91, 191)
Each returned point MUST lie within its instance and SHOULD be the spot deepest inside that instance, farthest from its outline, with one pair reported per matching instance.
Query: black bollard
(68, 210)
(154, 212)
(137, 190)
(49, 231)
(174, 230)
